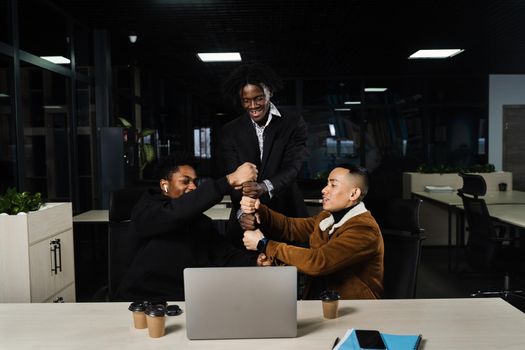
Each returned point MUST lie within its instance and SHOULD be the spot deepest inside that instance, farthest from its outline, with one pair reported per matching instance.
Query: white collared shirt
(259, 130)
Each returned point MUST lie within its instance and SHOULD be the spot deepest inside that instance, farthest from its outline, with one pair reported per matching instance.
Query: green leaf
(148, 154)
(14, 202)
(146, 132)
(124, 122)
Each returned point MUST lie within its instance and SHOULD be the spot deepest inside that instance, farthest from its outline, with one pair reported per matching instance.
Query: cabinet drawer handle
(57, 255)
(53, 249)
(59, 266)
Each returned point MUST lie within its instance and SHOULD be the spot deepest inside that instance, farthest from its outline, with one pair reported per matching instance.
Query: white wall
(503, 90)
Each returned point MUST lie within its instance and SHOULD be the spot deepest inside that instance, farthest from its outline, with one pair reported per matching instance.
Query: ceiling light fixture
(437, 53)
(56, 59)
(352, 102)
(331, 128)
(132, 37)
(375, 89)
(342, 109)
(219, 56)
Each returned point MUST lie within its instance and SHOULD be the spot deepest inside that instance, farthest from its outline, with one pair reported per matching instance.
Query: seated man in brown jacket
(345, 246)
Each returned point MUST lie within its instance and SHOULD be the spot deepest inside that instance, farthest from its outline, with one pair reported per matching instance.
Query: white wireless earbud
(165, 188)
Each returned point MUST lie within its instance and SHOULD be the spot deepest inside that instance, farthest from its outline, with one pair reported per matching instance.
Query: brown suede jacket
(346, 256)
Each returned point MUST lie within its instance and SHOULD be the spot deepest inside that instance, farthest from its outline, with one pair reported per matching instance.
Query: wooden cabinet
(37, 255)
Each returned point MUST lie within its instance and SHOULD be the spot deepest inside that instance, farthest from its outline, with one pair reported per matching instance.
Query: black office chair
(121, 246)
(402, 235)
(488, 246)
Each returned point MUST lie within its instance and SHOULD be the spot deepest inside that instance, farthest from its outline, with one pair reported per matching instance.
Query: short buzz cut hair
(359, 174)
(169, 165)
(253, 74)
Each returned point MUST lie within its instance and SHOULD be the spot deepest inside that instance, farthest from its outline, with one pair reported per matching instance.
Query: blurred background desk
(90, 234)
(92, 216)
(484, 323)
(504, 204)
(91, 249)
(102, 216)
(512, 214)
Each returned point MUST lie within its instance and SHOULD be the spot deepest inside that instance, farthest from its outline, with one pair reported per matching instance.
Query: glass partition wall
(405, 120)
(47, 129)
(413, 120)
(7, 127)
(46, 115)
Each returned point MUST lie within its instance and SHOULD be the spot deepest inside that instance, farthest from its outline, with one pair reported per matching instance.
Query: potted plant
(146, 150)
(442, 175)
(444, 169)
(14, 202)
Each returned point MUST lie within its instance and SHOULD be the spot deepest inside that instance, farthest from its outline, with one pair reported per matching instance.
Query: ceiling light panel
(440, 53)
(219, 56)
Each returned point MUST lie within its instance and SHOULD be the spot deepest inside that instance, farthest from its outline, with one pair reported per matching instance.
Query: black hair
(170, 164)
(254, 74)
(361, 173)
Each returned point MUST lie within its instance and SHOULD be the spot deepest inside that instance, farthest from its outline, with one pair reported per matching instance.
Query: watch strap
(261, 245)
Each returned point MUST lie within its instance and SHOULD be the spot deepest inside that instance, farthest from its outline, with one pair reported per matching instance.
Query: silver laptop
(241, 302)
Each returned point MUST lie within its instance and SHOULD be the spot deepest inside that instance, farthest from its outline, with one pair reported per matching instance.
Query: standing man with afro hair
(262, 135)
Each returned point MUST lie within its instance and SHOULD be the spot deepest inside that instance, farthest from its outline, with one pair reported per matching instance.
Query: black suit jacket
(173, 235)
(283, 155)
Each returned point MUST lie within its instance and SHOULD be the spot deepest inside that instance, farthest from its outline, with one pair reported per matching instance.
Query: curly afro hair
(253, 74)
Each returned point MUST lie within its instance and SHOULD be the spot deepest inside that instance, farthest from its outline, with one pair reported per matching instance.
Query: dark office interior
(60, 132)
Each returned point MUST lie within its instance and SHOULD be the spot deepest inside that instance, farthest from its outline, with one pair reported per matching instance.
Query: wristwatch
(261, 245)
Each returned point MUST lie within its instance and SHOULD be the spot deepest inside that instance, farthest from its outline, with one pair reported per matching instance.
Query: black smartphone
(368, 339)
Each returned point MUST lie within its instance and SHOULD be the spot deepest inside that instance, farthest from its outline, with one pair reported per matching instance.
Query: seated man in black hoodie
(174, 233)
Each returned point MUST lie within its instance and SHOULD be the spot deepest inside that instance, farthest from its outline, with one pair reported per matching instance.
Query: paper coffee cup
(330, 308)
(156, 320)
(156, 326)
(330, 301)
(139, 318)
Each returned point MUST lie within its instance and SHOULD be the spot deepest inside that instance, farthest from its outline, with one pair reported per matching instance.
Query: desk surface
(508, 206)
(215, 213)
(92, 216)
(513, 214)
(444, 324)
(492, 197)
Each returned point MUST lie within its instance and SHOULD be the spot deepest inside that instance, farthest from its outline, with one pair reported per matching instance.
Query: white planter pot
(36, 255)
(416, 182)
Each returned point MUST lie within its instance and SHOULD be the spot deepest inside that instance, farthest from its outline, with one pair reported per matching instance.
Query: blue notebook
(392, 341)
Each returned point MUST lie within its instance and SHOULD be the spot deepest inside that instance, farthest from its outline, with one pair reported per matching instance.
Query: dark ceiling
(311, 39)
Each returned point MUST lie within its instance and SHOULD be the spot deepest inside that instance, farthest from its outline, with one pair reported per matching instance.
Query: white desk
(491, 197)
(218, 213)
(513, 214)
(215, 213)
(226, 200)
(92, 216)
(501, 202)
(444, 323)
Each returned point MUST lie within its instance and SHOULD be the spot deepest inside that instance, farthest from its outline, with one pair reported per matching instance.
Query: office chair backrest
(473, 185)
(122, 246)
(481, 244)
(402, 235)
(403, 215)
